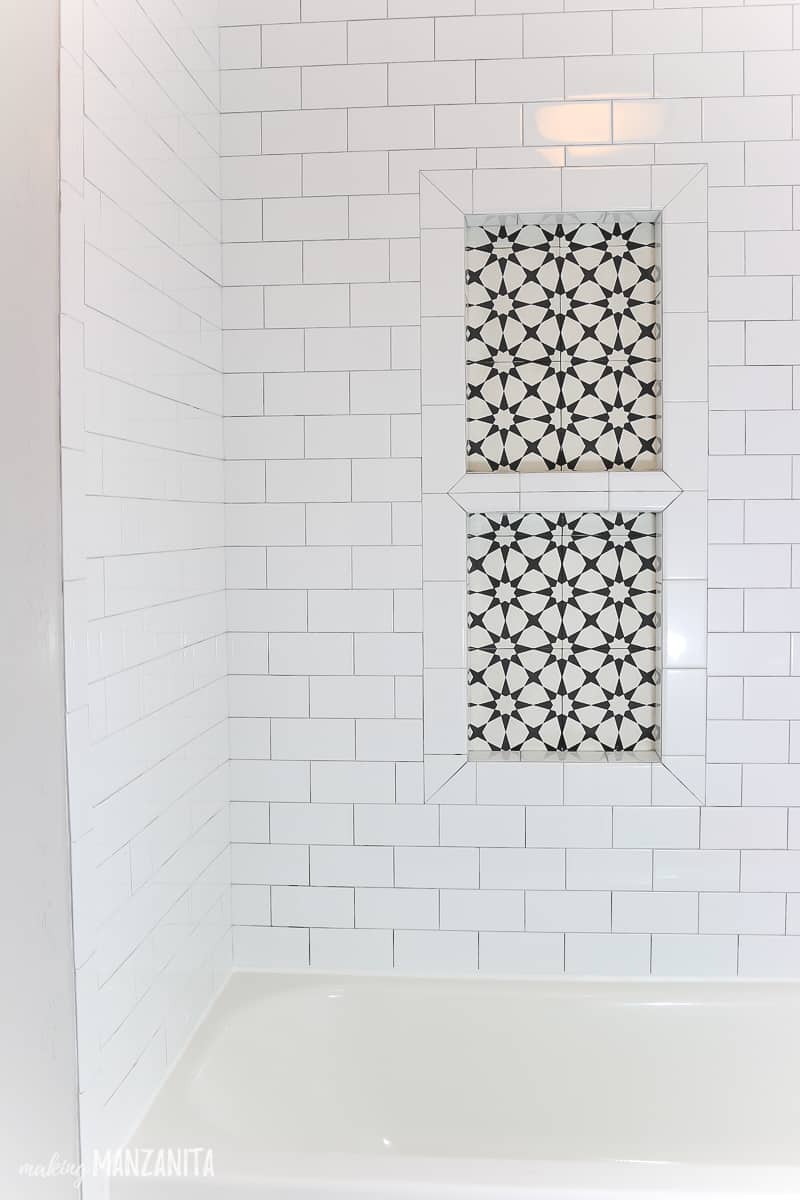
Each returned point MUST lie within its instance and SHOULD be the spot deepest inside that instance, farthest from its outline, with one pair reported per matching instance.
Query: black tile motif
(562, 345)
(562, 643)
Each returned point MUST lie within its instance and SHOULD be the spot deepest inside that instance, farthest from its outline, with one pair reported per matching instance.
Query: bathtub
(311, 1086)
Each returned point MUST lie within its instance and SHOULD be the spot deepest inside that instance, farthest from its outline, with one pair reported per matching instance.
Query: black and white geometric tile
(563, 344)
(563, 622)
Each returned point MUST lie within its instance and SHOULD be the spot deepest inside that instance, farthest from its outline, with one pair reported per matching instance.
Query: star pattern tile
(562, 345)
(563, 624)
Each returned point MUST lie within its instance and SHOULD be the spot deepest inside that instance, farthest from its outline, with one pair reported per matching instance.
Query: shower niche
(564, 413)
(563, 623)
(563, 342)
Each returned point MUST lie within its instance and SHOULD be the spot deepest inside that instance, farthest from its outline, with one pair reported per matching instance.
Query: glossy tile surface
(563, 632)
(563, 344)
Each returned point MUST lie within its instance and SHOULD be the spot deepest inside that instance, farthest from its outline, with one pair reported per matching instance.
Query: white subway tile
(740, 828)
(391, 41)
(304, 44)
(312, 906)
(397, 908)
(522, 80)
(521, 953)
(747, 117)
(765, 27)
(382, 740)
(384, 304)
(609, 77)
(388, 654)
(285, 949)
(257, 175)
(661, 827)
(345, 261)
(696, 870)
(654, 912)
(351, 949)
(749, 566)
(774, 699)
(658, 31)
(344, 87)
(481, 910)
(554, 124)
(390, 128)
(436, 951)
(586, 783)
(478, 826)
(249, 263)
(568, 912)
(385, 479)
(729, 912)
(601, 870)
(351, 696)
(748, 741)
(771, 72)
(479, 37)
(557, 34)
(770, 871)
(706, 956)
(260, 90)
(771, 162)
(437, 867)
(554, 825)
(367, 783)
(343, 350)
(488, 124)
(250, 12)
(657, 120)
(305, 739)
(303, 132)
(521, 868)
(607, 954)
(254, 864)
(769, 957)
(239, 46)
(347, 174)
(699, 75)
(396, 825)
(351, 866)
(769, 609)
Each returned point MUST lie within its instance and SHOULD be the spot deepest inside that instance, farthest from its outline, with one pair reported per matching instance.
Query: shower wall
(331, 108)
(144, 572)
(243, 606)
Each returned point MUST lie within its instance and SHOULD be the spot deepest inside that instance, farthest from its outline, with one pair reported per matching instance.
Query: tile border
(678, 491)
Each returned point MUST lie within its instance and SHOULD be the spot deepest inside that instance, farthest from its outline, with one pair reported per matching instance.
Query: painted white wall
(39, 1089)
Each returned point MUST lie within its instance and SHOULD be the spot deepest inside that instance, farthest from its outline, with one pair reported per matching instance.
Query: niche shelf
(563, 645)
(563, 342)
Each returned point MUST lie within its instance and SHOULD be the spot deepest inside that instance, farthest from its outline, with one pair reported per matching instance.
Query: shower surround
(251, 703)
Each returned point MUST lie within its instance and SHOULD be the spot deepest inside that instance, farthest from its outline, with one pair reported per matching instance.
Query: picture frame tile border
(678, 491)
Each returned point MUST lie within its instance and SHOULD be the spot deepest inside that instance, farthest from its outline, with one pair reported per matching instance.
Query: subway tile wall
(273, 653)
(330, 110)
(144, 559)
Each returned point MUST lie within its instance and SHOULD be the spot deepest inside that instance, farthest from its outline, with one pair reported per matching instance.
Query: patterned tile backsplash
(563, 632)
(563, 344)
